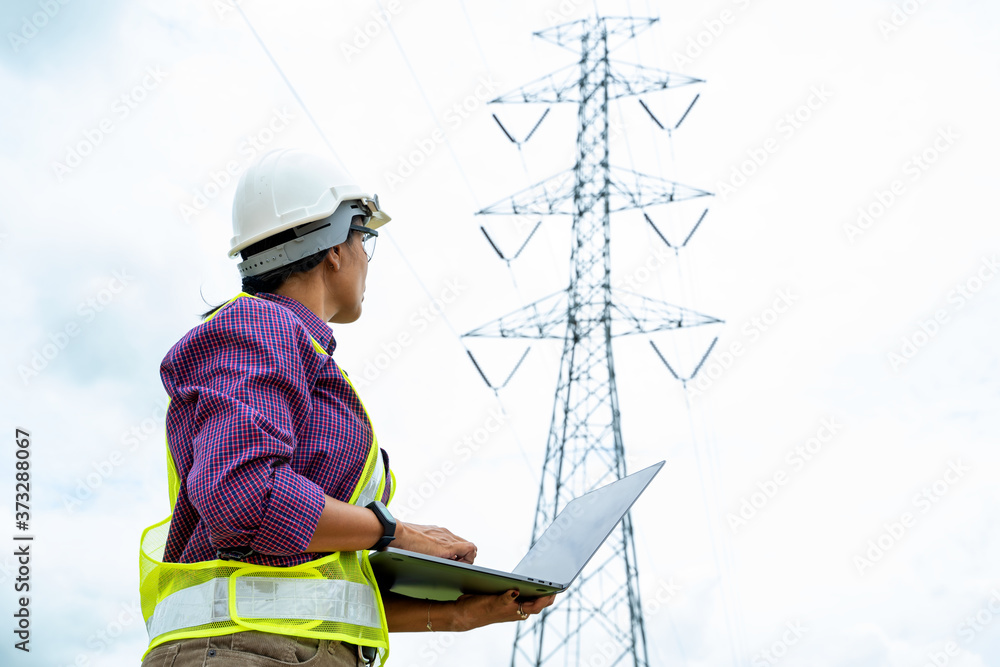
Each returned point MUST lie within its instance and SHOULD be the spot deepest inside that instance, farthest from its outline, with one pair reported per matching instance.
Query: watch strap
(388, 524)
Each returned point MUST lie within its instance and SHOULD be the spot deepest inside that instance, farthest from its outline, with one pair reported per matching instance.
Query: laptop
(550, 566)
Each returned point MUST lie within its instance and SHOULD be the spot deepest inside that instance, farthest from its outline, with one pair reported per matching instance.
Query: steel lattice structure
(602, 613)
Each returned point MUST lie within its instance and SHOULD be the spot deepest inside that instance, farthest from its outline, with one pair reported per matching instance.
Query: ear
(334, 257)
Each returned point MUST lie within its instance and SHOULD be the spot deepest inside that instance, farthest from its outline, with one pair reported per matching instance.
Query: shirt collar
(317, 327)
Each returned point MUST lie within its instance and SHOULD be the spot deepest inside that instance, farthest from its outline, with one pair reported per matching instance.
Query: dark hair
(272, 280)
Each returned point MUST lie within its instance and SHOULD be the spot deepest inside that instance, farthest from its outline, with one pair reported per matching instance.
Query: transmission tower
(601, 615)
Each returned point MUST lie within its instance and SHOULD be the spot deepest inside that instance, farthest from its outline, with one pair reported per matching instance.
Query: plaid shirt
(261, 426)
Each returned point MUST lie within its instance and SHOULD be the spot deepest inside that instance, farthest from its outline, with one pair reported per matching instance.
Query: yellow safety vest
(334, 597)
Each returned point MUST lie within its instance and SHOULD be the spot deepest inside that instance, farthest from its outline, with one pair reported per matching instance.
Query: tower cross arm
(627, 79)
(619, 30)
(562, 85)
(630, 189)
(635, 314)
(545, 318)
(552, 196)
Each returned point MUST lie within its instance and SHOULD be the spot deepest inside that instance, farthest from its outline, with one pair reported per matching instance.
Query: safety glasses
(368, 240)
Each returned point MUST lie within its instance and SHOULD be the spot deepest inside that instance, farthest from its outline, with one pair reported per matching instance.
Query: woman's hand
(475, 611)
(405, 614)
(433, 541)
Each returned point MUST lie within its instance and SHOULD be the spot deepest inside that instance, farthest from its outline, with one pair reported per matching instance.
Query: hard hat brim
(297, 218)
(312, 237)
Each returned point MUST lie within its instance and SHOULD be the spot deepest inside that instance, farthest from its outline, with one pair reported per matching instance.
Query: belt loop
(367, 655)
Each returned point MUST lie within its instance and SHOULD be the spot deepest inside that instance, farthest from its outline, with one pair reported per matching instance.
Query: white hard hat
(287, 188)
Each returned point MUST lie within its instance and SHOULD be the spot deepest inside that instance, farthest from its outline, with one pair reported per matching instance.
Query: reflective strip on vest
(370, 492)
(273, 597)
(266, 597)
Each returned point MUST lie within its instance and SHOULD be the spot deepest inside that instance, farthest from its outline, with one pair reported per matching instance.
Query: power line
(294, 92)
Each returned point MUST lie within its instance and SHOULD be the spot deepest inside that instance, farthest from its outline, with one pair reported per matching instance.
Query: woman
(277, 484)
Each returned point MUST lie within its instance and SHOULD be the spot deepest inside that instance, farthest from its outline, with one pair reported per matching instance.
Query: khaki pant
(252, 648)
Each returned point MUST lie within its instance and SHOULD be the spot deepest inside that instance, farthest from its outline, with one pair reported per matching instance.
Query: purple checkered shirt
(260, 427)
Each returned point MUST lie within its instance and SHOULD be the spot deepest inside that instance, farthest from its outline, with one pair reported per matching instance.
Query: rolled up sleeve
(253, 391)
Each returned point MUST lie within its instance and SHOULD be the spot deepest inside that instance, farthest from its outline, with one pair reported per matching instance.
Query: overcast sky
(831, 469)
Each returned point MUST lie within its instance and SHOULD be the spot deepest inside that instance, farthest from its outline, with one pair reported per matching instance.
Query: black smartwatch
(388, 524)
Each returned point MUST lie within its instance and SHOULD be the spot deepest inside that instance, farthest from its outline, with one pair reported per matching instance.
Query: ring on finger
(520, 612)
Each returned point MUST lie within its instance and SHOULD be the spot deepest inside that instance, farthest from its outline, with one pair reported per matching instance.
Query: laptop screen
(581, 527)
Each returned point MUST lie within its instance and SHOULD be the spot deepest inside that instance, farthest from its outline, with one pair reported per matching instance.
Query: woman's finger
(465, 552)
(538, 604)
